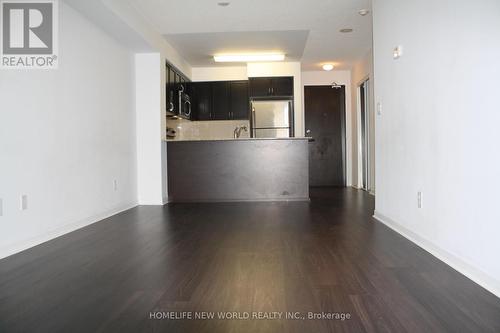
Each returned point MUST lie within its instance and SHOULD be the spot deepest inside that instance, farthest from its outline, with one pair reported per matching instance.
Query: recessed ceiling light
(249, 57)
(345, 30)
(327, 67)
(363, 12)
(223, 4)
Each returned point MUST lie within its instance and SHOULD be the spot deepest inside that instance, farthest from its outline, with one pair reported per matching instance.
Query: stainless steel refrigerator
(272, 119)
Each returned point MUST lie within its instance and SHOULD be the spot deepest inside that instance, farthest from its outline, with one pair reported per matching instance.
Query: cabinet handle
(269, 91)
(171, 107)
(188, 114)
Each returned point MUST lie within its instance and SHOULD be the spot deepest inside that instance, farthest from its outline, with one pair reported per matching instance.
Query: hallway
(328, 255)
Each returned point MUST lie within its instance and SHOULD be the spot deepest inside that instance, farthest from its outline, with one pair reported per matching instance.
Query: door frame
(343, 130)
(368, 132)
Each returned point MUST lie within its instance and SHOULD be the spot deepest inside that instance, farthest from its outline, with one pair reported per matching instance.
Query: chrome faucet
(237, 131)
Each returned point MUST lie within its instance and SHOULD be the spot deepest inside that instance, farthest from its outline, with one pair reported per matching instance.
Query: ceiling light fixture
(363, 12)
(249, 57)
(327, 67)
(223, 4)
(345, 30)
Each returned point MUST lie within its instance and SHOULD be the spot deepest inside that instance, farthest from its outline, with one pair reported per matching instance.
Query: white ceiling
(306, 30)
(198, 48)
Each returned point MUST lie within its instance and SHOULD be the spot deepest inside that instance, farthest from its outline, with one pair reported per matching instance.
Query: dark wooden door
(282, 86)
(325, 123)
(202, 100)
(260, 86)
(239, 100)
(220, 100)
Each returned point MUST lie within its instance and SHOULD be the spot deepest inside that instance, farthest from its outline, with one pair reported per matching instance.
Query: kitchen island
(248, 169)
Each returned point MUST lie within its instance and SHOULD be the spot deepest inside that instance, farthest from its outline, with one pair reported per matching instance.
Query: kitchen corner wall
(151, 186)
(266, 69)
(437, 132)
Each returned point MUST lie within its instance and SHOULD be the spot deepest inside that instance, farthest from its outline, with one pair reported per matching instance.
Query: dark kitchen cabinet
(201, 93)
(282, 86)
(220, 100)
(260, 86)
(239, 105)
(174, 80)
(271, 86)
(171, 91)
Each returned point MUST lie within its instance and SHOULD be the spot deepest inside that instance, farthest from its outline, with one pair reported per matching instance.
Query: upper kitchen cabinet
(271, 86)
(171, 91)
(177, 97)
(220, 100)
(282, 86)
(260, 86)
(239, 104)
(201, 92)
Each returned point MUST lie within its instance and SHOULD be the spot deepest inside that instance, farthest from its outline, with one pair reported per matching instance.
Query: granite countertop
(240, 139)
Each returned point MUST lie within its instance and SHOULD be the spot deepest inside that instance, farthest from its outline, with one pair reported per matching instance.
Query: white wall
(150, 189)
(362, 70)
(438, 130)
(65, 136)
(121, 20)
(219, 73)
(343, 77)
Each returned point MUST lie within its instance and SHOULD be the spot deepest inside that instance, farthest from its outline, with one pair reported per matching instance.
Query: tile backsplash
(206, 130)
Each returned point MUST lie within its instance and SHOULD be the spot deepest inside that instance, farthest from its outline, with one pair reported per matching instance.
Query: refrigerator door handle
(253, 122)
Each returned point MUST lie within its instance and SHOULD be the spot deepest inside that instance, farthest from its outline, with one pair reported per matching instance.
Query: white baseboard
(481, 278)
(67, 228)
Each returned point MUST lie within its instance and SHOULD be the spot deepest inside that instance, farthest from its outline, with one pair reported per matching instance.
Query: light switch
(397, 52)
(379, 108)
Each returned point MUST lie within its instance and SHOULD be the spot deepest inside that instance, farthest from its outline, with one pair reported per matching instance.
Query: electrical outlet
(24, 202)
(115, 185)
(419, 199)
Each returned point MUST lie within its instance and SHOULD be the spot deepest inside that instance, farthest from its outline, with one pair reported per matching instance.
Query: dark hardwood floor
(328, 255)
